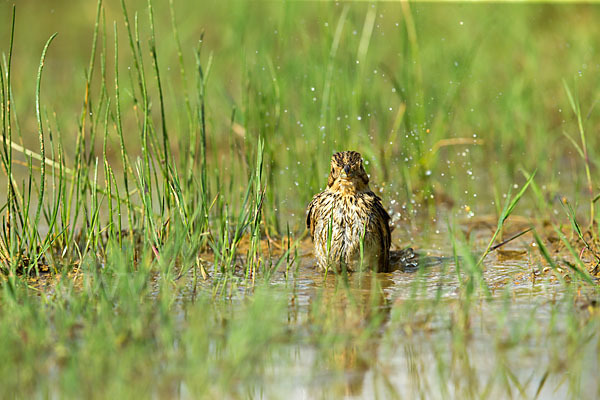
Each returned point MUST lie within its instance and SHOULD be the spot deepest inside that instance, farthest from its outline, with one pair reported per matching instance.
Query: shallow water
(431, 358)
(415, 334)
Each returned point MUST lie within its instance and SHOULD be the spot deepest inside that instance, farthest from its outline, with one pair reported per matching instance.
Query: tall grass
(156, 198)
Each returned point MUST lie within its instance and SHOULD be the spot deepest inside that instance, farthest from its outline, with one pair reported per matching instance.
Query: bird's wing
(383, 222)
(311, 214)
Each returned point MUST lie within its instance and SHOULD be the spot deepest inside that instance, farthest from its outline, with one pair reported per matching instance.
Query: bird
(348, 224)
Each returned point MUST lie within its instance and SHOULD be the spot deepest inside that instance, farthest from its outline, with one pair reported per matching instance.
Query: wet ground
(517, 330)
(503, 346)
(416, 333)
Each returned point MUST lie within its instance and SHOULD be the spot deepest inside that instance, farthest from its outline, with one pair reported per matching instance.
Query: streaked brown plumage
(348, 212)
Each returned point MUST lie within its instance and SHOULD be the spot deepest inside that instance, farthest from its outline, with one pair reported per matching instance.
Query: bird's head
(347, 170)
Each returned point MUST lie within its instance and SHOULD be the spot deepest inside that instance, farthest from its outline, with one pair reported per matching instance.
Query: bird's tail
(407, 259)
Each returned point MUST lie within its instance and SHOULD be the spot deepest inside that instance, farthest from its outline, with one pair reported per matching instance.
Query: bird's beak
(346, 169)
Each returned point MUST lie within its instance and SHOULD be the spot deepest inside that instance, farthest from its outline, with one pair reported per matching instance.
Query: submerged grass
(152, 239)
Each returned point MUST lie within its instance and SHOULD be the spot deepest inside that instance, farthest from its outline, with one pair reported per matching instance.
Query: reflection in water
(437, 331)
(414, 333)
(428, 332)
(346, 314)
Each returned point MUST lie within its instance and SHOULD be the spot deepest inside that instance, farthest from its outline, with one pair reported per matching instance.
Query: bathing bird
(347, 222)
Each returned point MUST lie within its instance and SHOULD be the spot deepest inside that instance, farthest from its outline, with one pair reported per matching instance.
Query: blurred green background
(392, 81)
